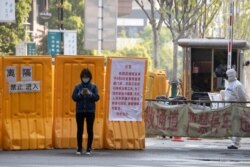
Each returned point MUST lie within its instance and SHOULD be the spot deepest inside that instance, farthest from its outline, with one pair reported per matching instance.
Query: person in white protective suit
(234, 92)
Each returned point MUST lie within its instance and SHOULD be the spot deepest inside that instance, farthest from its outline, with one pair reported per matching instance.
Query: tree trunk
(175, 68)
(156, 47)
(156, 27)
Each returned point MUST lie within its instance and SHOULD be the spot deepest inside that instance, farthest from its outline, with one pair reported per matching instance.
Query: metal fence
(200, 104)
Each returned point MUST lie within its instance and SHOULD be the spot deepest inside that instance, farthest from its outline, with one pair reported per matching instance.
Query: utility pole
(100, 27)
(230, 34)
(60, 20)
(26, 27)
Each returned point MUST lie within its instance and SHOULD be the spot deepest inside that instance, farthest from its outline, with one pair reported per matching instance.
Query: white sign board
(216, 97)
(7, 11)
(21, 49)
(26, 84)
(26, 73)
(126, 90)
(10, 73)
(19, 87)
(70, 42)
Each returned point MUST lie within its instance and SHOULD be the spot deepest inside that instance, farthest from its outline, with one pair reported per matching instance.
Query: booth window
(201, 69)
(220, 67)
(202, 72)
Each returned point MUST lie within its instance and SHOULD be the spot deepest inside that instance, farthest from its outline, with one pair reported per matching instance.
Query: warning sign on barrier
(28, 86)
(10, 73)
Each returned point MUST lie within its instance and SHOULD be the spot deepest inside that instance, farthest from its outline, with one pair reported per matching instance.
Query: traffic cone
(177, 138)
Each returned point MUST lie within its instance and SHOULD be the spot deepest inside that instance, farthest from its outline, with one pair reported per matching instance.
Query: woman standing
(85, 95)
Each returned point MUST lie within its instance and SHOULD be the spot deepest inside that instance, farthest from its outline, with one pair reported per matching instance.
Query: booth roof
(212, 43)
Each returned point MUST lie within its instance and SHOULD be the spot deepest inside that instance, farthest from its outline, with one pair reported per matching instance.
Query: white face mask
(231, 78)
(85, 80)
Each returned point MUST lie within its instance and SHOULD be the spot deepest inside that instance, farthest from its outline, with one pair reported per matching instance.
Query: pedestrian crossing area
(158, 153)
(168, 164)
(160, 163)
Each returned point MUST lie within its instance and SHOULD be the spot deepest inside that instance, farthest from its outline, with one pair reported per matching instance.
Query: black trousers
(90, 118)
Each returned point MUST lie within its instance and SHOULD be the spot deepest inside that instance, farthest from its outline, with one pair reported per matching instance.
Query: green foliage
(73, 19)
(136, 51)
(43, 49)
(209, 11)
(144, 49)
(12, 33)
(165, 48)
(241, 21)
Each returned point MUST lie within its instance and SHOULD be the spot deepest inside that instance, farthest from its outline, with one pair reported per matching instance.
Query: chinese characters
(126, 86)
(7, 9)
(26, 84)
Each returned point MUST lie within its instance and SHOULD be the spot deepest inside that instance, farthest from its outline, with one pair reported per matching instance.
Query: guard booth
(205, 65)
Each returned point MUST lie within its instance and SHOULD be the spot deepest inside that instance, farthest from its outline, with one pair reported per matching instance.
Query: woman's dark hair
(86, 73)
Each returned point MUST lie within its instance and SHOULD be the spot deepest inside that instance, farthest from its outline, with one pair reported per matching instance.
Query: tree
(73, 19)
(12, 33)
(180, 16)
(138, 50)
(208, 13)
(155, 18)
(241, 20)
(144, 49)
(165, 48)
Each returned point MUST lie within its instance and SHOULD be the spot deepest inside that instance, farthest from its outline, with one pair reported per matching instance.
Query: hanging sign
(54, 42)
(70, 42)
(31, 48)
(7, 11)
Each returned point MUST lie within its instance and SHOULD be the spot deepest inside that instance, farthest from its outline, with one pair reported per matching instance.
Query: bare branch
(213, 14)
(141, 4)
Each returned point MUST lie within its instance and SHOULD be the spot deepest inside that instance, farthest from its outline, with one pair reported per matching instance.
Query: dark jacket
(85, 102)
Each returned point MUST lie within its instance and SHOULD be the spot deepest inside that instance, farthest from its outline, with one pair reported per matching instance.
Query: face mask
(85, 80)
(231, 78)
(231, 74)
